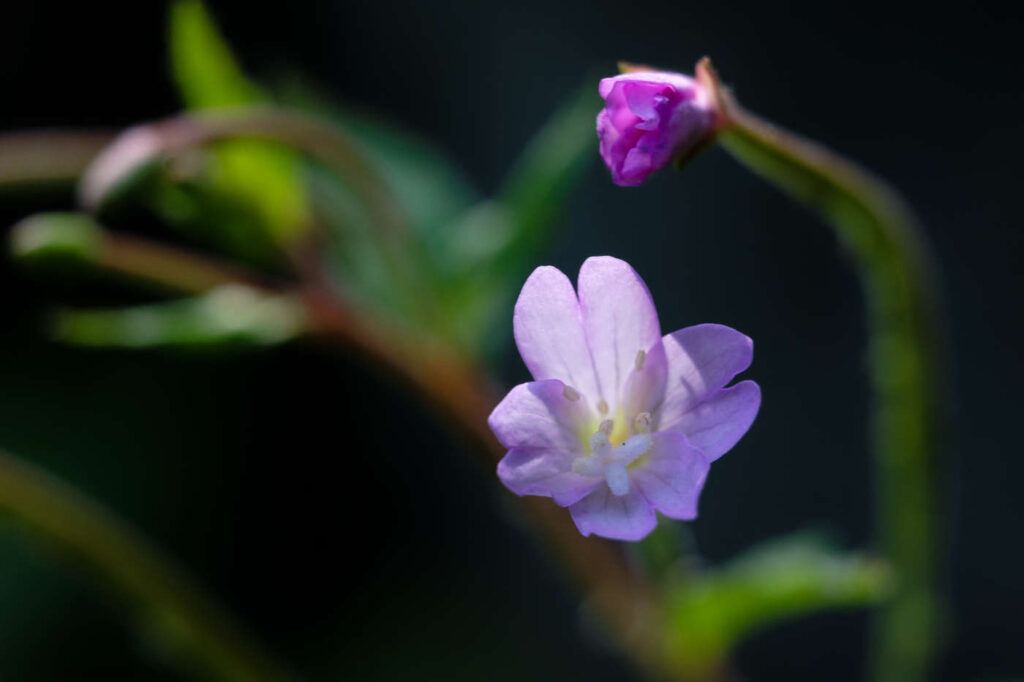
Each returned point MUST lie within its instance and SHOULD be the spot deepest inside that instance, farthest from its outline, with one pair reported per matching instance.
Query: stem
(169, 267)
(906, 354)
(47, 158)
(168, 603)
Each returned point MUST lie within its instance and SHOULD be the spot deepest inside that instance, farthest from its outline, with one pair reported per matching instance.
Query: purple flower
(649, 119)
(620, 421)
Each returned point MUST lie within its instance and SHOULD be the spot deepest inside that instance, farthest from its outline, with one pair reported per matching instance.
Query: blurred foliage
(56, 240)
(780, 579)
(230, 315)
(447, 267)
(476, 251)
(260, 182)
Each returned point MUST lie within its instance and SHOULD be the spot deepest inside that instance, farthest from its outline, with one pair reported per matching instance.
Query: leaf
(56, 240)
(782, 579)
(265, 178)
(493, 246)
(232, 314)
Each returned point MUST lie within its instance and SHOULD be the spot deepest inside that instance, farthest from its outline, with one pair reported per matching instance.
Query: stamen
(600, 446)
(606, 427)
(642, 423)
(641, 357)
(570, 393)
(602, 406)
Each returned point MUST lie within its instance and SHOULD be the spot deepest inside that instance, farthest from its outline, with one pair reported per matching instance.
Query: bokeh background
(352, 532)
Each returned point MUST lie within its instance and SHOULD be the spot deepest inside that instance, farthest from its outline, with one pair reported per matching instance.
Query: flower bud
(651, 118)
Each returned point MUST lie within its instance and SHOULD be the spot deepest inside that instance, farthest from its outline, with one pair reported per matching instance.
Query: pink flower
(620, 421)
(650, 118)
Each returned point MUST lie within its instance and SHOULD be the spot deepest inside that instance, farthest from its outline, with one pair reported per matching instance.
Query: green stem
(906, 349)
(199, 633)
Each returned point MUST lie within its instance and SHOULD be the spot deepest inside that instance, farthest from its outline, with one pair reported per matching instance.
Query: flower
(649, 119)
(619, 421)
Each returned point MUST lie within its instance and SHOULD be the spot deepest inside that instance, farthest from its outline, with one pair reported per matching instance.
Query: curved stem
(36, 159)
(167, 602)
(906, 352)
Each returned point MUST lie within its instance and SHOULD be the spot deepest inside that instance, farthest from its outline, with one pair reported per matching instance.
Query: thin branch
(39, 159)
(200, 632)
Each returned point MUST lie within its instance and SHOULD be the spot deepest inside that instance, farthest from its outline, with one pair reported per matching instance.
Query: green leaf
(204, 69)
(490, 249)
(264, 177)
(779, 580)
(56, 239)
(232, 314)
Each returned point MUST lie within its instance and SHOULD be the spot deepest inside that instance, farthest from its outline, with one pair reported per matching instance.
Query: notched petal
(619, 318)
(701, 359)
(547, 473)
(672, 475)
(617, 517)
(717, 423)
(548, 329)
(540, 414)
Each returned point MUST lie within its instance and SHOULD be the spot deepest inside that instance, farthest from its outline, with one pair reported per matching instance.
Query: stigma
(612, 462)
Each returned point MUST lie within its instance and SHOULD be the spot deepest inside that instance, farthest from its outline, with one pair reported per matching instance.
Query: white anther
(642, 423)
(570, 393)
(641, 357)
(602, 406)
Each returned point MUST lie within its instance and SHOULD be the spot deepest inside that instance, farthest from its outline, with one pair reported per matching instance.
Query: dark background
(254, 469)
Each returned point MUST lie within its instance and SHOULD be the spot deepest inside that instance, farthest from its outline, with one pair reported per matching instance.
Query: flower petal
(701, 360)
(720, 420)
(619, 318)
(549, 332)
(626, 517)
(548, 473)
(540, 414)
(672, 475)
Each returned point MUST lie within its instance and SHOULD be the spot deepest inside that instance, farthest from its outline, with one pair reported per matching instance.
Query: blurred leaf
(232, 314)
(204, 69)
(432, 191)
(781, 579)
(491, 248)
(264, 177)
(539, 184)
(430, 194)
(56, 239)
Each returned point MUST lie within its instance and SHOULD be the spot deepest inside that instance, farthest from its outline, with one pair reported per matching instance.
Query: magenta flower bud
(649, 119)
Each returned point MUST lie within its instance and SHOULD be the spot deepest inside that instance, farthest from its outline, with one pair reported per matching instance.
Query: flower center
(612, 461)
